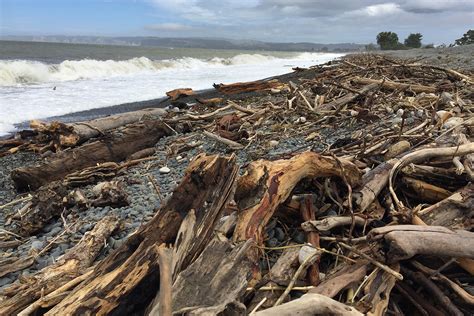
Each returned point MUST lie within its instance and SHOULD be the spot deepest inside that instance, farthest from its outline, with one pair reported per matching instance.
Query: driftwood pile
(382, 190)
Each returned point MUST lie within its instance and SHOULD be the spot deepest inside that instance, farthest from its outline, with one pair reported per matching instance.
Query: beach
(276, 131)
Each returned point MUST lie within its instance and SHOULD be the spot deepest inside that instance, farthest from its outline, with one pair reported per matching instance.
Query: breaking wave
(15, 72)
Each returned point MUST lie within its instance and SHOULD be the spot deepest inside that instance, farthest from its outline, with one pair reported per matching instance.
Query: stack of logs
(387, 212)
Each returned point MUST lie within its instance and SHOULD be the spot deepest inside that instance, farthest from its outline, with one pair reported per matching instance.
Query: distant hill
(213, 43)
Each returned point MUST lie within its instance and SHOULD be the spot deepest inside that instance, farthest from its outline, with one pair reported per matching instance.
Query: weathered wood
(93, 128)
(215, 280)
(311, 304)
(372, 184)
(346, 277)
(391, 85)
(425, 191)
(280, 273)
(447, 178)
(377, 291)
(127, 280)
(405, 241)
(71, 265)
(456, 211)
(267, 184)
(114, 148)
(340, 102)
(178, 93)
(242, 87)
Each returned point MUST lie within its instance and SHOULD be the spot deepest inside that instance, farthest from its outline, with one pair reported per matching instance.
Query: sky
(318, 21)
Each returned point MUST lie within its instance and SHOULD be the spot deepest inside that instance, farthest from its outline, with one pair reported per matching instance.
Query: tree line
(390, 41)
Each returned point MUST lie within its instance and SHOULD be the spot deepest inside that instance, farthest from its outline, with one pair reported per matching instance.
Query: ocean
(41, 80)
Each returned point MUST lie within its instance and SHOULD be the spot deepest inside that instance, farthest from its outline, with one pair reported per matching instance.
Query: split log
(456, 211)
(251, 86)
(215, 281)
(377, 291)
(116, 147)
(267, 184)
(13, 264)
(311, 304)
(391, 85)
(340, 102)
(127, 280)
(405, 241)
(69, 266)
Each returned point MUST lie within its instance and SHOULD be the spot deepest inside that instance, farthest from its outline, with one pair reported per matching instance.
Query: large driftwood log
(71, 265)
(405, 241)
(311, 304)
(127, 280)
(93, 128)
(267, 184)
(115, 147)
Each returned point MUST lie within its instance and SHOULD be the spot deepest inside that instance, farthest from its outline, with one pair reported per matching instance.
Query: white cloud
(377, 10)
(169, 27)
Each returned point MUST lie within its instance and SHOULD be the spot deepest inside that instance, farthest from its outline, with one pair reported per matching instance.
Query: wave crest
(15, 72)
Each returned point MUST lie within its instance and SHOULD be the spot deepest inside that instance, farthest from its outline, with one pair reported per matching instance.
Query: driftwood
(311, 304)
(117, 147)
(339, 103)
(215, 281)
(71, 265)
(425, 191)
(242, 87)
(178, 93)
(456, 210)
(267, 184)
(127, 279)
(395, 85)
(405, 241)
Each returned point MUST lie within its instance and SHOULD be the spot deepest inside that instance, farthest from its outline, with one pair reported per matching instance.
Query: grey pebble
(299, 237)
(272, 242)
(37, 245)
(279, 234)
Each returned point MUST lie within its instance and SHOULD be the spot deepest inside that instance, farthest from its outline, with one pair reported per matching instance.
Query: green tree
(413, 40)
(466, 39)
(387, 40)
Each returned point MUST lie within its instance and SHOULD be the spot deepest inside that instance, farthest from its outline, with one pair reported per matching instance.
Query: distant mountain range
(175, 42)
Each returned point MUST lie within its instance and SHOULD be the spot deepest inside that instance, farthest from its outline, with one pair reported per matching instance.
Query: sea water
(44, 84)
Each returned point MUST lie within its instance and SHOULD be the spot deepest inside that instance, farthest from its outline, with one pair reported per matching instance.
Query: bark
(114, 148)
(267, 184)
(127, 280)
(71, 265)
(311, 304)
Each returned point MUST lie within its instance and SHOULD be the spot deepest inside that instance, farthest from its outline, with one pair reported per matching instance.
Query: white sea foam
(30, 72)
(34, 90)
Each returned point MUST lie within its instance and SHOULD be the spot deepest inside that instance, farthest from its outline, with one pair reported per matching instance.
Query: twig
(228, 142)
(308, 261)
(373, 261)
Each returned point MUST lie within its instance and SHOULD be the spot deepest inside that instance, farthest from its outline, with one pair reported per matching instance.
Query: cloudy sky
(323, 21)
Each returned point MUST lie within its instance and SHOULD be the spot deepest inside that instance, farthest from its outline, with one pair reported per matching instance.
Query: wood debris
(370, 213)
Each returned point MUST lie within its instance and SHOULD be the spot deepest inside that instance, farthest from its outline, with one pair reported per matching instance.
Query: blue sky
(440, 21)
